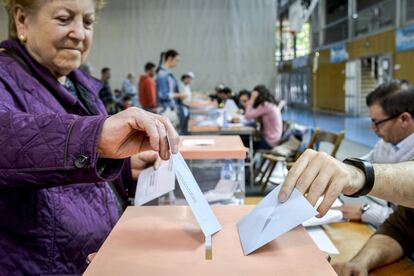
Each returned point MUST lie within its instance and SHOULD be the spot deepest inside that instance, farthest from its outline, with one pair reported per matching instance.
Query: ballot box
(217, 164)
(167, 240)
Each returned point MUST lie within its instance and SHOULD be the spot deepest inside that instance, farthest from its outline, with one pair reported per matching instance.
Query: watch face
(365, 207)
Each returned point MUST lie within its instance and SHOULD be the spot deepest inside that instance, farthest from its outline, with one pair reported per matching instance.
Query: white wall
(3, 23)
(230, 41)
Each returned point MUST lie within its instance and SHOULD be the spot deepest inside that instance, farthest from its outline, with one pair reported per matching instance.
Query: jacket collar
(48, 80)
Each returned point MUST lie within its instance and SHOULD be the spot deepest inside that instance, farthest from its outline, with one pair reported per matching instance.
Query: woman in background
(263, 106)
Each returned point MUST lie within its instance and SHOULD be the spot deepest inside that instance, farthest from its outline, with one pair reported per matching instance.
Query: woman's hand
(144, 160)
(135, 130)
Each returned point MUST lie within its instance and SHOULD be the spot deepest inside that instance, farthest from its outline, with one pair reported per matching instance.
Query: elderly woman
(63, 159)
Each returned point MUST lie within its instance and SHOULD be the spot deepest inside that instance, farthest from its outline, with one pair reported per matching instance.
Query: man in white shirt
(395, 126)
(183, 100)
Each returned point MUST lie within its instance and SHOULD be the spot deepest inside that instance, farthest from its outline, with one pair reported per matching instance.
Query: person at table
(318, 174)
(129, 89)
(262, 106)
(147, 89)
(167, 85)
(225, 96)
(64, 162)
(242, 99)
(385, 105)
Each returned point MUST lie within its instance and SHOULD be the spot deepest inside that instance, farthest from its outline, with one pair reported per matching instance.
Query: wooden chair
(269, 160)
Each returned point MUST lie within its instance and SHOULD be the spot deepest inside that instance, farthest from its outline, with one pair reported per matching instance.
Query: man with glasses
(391, 108)
(387, 108)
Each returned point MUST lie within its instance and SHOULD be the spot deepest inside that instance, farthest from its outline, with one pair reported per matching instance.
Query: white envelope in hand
(155, 183)
(270, 219)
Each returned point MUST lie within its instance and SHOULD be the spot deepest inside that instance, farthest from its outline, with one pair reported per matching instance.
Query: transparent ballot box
(217, 163)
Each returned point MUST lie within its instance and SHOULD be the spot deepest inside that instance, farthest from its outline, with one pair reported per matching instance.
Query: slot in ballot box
(166, 240)
(217, 163)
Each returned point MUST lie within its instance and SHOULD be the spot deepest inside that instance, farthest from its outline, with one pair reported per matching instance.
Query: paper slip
(198, 142)
(322, 240)
(195, 198)
(270, 219)
(155, 183)
(223, 191)
(331, 216)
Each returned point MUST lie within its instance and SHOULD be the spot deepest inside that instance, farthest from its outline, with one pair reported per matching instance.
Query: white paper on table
(322, 240)
(152, 183)
(198, 142)
(271, 219)
(331, 216)
(223, 191)
(195, 198)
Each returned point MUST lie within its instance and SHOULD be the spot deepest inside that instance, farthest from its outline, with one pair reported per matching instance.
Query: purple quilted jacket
(56, 206)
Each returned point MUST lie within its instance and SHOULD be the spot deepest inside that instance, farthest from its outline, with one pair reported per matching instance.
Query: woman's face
(59, 34)
(173, 61)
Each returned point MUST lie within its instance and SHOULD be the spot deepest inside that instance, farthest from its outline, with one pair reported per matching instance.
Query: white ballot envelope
(155, 183)
(195, 198)
(271, 219)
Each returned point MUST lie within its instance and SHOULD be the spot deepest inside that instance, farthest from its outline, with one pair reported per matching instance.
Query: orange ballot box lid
(212, 147)
(166, 240)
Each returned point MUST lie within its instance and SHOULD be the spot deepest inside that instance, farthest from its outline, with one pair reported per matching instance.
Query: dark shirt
(400, 227)
(105, 94)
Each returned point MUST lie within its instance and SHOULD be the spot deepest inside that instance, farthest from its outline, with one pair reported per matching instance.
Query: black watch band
(368, 170)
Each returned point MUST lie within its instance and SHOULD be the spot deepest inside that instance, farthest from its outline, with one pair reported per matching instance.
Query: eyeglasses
(377, 123)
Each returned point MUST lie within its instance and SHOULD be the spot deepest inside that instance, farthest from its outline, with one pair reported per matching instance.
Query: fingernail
(282, 197)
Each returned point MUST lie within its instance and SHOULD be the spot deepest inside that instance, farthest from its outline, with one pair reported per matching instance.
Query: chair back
(335, 139)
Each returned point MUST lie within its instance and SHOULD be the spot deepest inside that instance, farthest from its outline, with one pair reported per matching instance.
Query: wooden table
(224, 147)
(349, 237)
(166, 240)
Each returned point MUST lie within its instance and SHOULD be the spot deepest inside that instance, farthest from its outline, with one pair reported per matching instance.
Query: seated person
(393, 238)
(386, 105)
(242, 99)
(263, 106)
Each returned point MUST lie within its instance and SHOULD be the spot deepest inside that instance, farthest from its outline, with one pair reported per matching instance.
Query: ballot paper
(322, 240)
(224, 191)
(271, 219)
(195, 198)
(331, 216)
(155, 183)
(198, 142)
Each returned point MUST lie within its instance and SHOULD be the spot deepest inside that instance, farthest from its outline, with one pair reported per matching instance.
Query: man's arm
(319, 174)
(380, 250)
(395, 183)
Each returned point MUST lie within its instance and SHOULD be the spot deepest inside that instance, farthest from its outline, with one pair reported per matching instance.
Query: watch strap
(368, 170)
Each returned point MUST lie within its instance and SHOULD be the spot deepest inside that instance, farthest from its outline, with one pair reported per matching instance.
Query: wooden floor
(349, 237)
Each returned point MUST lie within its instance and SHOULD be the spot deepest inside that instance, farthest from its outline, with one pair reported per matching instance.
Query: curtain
(221, 41)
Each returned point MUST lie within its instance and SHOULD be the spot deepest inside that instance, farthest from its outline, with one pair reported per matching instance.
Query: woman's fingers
(173, 137)
(164, 148)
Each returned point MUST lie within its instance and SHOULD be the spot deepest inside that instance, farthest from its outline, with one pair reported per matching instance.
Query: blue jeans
(262, 144)
(183, 116)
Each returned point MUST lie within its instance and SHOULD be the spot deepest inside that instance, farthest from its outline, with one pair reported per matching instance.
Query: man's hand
(350, 269)
(351, 211)
(135, 130)
(144, 160)
(317, 174)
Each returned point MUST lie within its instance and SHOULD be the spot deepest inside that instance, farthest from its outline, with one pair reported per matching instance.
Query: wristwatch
(365, 208)
(368, 170)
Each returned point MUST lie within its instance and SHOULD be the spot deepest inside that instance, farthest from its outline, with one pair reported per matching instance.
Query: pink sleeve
(253, 113)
